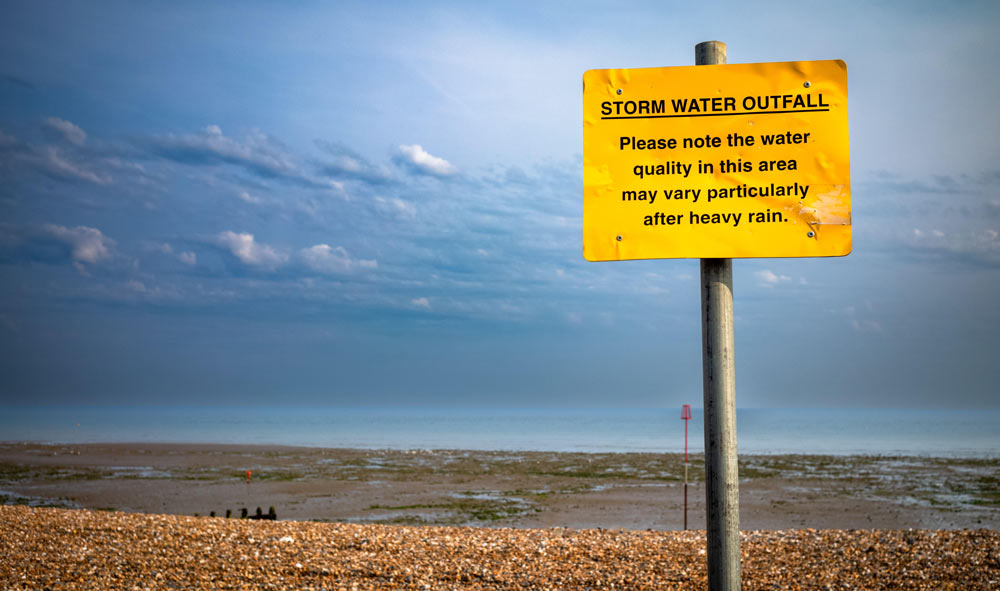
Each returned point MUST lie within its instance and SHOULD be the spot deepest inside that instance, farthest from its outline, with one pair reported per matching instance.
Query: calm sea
(765, 431)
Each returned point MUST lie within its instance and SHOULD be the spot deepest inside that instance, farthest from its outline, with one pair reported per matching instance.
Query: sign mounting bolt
(619, 91)
(807, 84)
(618, 238)
(811, 234)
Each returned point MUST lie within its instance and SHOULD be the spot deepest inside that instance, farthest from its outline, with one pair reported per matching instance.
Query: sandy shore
(499, 489)
(62, 549)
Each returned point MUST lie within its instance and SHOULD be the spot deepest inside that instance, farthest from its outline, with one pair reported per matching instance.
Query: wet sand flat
(635, 491)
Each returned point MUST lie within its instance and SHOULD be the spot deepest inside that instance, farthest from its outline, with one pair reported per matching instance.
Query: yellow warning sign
(727, 161)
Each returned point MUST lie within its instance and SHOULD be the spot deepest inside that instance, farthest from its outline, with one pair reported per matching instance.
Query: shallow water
(768, 431)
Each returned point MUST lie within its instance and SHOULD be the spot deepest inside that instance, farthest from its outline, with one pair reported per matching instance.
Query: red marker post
(248, 473)
(686, 416)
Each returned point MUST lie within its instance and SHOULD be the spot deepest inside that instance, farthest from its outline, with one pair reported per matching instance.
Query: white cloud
(866, 326)
(349, 164)
(53, 161)
(246, 249)
(862, 325)
(980, 245)
(419, 159)
(256, 151)
(326, 259)
(246, 196)
(71, 132)
(186, 257)
(62, 161)
(87, 245)
(344, 162)
(769, 278)
(421, 303)
(396, 207)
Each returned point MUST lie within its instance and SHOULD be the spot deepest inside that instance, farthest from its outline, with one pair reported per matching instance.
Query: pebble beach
(49, 548)
(138, 516)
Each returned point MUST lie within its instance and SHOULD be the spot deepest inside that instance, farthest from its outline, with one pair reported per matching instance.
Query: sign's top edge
(840, 63)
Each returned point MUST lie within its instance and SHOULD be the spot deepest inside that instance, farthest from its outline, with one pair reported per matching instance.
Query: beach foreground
(47, 548)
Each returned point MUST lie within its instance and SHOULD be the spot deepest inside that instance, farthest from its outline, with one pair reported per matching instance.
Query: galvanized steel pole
(719, 379)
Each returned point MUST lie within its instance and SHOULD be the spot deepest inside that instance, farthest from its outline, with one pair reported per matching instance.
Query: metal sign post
(717, 162)
(722, 495)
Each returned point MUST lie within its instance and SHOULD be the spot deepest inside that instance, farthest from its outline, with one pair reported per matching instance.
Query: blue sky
(381, 203)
